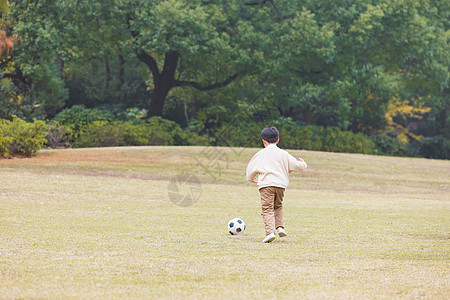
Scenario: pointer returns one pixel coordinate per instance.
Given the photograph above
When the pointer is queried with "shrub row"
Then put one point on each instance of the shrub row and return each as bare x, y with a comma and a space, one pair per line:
293, 136
155, 131
18, 137
330, 139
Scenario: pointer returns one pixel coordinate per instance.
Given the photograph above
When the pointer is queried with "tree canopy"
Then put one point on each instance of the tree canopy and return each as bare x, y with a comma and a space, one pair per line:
353, 64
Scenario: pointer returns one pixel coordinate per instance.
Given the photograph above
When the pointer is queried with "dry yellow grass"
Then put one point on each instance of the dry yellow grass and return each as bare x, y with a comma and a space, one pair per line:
98, 223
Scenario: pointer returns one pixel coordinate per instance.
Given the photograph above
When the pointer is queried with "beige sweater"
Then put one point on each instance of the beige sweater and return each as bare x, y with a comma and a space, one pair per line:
272, 166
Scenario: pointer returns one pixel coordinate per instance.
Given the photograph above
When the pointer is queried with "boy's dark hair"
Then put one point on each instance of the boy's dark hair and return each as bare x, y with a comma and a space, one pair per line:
270, 134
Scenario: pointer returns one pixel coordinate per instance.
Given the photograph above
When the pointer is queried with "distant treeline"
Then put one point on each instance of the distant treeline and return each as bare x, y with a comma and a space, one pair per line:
369, 76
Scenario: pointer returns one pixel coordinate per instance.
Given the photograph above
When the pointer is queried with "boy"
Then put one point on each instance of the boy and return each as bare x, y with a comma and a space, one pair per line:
269, 168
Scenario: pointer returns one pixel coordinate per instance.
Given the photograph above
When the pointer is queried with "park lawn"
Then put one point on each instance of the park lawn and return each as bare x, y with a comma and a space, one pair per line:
99, 223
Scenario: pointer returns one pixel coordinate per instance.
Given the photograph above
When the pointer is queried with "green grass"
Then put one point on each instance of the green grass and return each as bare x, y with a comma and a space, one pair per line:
98, 223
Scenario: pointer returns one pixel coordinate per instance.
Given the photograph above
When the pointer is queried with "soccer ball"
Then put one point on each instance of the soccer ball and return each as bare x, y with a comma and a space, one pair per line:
236, 226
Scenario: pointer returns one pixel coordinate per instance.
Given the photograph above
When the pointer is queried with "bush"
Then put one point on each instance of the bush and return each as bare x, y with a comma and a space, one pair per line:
78, 116
430, 147
389, 144
335, 140
5, 141
363, 144
107, 134
99, 134
165, 132
134, 134
58, 135
155, 131
294, 136
18, 137
317, 138
238, 135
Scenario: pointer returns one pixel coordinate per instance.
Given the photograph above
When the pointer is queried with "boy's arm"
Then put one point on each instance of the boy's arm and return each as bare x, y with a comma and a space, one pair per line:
251, 175
252, 171
296, 165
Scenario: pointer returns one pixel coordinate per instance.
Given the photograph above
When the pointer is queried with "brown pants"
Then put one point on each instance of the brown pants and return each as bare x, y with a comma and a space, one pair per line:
272, 207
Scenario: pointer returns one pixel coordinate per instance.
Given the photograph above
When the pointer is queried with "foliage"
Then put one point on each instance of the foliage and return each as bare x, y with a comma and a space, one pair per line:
330, 139
362, 66
344, 71
404, 110
18, 137
4, 6
58, 135
9, 100
78, 116
233, 135
430, 147
7, 43
389, 144
106, 77
165, 132
155, 131
14, 102
46, 32
99, 134
293, 136
135, 113
312, 137
193, 43
5, 141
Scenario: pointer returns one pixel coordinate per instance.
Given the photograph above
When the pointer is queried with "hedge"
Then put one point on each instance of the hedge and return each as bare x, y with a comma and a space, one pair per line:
155, 131
293, 136
21, 138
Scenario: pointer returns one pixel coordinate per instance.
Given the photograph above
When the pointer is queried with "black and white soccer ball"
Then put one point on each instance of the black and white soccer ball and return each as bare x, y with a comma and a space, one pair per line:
236, 226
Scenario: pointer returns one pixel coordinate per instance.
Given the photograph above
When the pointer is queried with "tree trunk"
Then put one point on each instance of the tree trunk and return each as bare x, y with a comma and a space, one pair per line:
442, 119
163, 82
121, 77
158, 99
107, 79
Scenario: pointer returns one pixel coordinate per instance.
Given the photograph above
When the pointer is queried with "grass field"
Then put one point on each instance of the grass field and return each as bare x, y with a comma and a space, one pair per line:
98, 223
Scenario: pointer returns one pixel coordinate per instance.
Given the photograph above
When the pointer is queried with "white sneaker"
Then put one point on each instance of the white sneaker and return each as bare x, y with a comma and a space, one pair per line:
270, 237
281, 232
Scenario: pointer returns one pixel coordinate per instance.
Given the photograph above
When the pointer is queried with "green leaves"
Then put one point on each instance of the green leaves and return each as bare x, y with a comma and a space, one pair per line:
327, 63
18, 137
4, 6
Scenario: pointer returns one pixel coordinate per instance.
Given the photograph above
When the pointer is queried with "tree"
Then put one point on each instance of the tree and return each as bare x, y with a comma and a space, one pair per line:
299, 63
340, 62
39, 61
195, 44
407, 42
337, 63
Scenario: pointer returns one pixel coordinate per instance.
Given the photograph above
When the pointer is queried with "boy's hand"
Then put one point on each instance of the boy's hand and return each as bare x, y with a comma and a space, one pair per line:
255, 180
